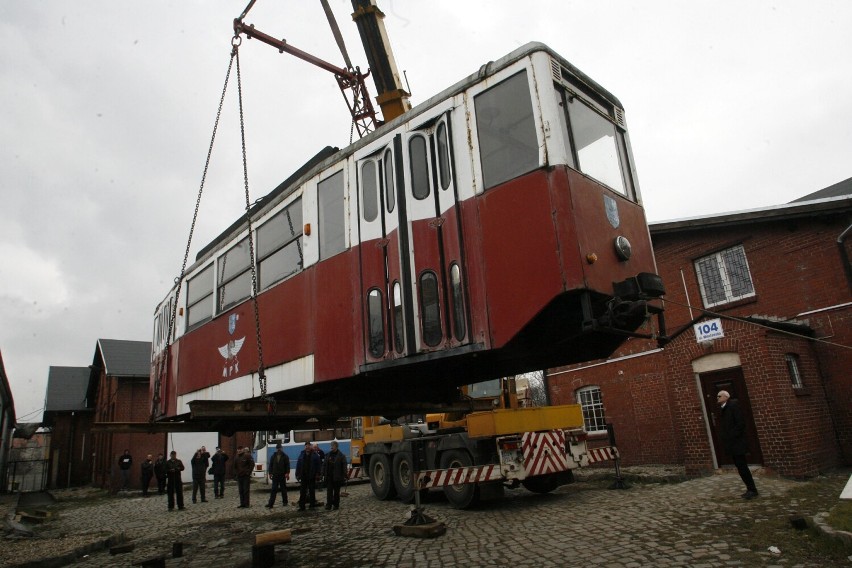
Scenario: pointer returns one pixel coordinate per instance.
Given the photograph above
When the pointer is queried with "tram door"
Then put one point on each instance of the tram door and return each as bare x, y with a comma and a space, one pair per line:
436, 279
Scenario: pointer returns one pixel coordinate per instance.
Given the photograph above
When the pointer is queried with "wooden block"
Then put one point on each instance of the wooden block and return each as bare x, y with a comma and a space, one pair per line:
430, 530
155, 562
122, 548
274, 537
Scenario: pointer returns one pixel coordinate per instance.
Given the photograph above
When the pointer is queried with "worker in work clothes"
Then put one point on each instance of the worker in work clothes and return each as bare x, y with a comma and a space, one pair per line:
199, 475
147, 474
279, 473
335, 476
174, 486
307, 468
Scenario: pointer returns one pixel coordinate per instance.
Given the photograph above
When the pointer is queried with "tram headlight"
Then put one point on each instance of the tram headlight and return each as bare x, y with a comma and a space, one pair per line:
623, 248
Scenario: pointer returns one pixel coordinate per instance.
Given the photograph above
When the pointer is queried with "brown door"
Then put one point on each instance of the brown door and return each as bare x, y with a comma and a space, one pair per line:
730, 380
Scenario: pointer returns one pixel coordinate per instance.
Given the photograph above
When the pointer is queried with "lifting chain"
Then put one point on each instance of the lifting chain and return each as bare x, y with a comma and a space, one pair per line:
261, 371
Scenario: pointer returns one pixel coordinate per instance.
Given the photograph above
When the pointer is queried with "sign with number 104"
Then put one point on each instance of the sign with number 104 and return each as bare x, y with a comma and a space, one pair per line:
709, 330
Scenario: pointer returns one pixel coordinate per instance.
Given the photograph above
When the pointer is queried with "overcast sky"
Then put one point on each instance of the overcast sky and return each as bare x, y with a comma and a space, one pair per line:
108, 107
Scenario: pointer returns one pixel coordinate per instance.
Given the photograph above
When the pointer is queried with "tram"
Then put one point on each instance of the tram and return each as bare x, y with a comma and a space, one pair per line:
493, 229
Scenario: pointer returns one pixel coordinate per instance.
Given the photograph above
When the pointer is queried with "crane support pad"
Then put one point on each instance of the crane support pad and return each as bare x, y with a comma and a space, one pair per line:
459, 476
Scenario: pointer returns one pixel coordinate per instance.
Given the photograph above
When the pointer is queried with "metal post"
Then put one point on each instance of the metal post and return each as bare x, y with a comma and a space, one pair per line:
619, 481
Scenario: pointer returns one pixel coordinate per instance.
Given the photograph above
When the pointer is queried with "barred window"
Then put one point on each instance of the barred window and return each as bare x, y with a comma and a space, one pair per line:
793, 369
589, 398
724, 277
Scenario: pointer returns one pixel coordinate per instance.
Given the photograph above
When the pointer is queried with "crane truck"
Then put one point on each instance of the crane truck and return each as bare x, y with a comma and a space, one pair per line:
474, 456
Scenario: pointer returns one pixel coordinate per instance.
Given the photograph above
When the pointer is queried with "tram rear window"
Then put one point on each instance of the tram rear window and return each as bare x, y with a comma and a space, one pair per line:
596, 145
508, 146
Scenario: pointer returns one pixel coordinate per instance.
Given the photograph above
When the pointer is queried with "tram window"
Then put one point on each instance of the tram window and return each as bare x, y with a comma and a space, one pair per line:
508, 145
199, 292
397, 317
389, 187
458, 302
369, 191
234, 276
419, 167
375, 321
279, 245
443, 156
430, 309
332, 216
595, 145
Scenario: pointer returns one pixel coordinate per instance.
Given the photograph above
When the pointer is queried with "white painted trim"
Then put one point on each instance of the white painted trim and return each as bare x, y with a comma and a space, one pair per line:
294, 374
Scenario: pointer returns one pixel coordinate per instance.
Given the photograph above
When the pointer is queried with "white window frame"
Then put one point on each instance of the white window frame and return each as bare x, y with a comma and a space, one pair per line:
793, 369
724, 276
590, 400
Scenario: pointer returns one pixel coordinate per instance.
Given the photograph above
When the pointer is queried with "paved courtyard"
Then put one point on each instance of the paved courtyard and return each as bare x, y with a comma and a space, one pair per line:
700, 522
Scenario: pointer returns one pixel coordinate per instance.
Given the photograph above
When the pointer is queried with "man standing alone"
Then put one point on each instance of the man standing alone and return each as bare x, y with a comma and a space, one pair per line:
174, 487
124, 463
335, 475
734, 439
244, 466
279, 472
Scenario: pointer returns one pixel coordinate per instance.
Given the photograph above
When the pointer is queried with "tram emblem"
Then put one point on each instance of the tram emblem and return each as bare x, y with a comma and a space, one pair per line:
611, 211
230, 350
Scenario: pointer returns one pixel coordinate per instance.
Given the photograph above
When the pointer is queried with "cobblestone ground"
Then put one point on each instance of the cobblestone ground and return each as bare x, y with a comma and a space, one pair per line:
700, 522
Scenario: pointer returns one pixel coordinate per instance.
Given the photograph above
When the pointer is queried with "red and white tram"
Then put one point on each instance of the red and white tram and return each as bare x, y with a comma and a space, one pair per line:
494, 229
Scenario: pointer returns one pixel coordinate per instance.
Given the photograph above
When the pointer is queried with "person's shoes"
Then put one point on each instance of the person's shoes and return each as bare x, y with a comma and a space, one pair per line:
335, 507
241, 506
171, 509
268, 506
204, 500
301, 509
328, 507
749, 494
181, 508
194, 501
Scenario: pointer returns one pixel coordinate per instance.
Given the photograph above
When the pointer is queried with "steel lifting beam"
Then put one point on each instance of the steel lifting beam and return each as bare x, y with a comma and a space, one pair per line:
361, 108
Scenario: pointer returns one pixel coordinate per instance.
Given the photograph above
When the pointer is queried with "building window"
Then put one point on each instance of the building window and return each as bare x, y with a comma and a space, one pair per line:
724, 277
793, 369
589, 398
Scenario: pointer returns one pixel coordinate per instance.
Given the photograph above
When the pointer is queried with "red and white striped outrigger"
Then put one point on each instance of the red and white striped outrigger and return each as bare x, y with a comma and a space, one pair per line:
529, 455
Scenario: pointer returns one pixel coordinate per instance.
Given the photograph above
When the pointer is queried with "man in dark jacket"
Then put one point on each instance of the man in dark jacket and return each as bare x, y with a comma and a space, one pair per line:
147, 474
160, 473
175, 485
124, 463
199, 475
335, 476
218, 460
244, 466
279, 473
733, 437
307, 468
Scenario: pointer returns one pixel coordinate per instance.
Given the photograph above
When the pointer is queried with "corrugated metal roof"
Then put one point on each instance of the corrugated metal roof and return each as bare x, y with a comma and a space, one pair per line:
66, 389
123, 358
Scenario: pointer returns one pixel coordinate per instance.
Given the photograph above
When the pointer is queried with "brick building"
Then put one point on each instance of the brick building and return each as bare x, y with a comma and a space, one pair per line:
68, 413
119, 374
773, 285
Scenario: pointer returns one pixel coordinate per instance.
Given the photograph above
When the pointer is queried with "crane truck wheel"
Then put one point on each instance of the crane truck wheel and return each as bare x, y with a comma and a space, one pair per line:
404, 478
464, 495
381, 478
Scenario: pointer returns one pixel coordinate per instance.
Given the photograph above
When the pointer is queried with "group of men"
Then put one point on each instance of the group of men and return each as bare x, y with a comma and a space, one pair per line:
310, 467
